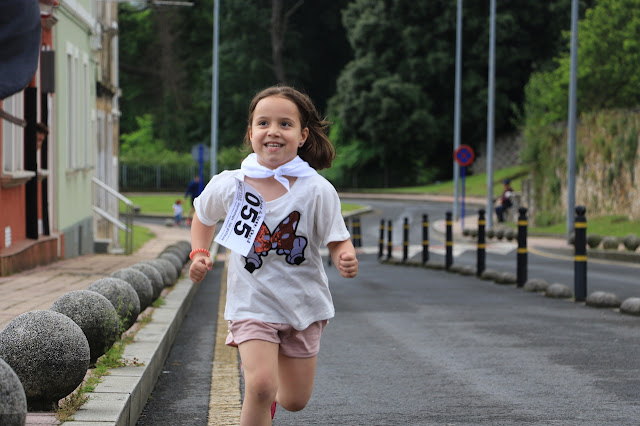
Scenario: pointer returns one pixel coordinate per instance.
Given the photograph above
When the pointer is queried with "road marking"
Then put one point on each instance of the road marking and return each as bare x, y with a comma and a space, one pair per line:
224, 399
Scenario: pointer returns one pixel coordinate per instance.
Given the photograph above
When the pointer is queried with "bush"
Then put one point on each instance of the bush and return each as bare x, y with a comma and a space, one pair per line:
610, 243
631, 242
593, 240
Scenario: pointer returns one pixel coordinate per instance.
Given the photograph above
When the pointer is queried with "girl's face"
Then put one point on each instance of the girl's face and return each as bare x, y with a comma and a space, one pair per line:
276, 132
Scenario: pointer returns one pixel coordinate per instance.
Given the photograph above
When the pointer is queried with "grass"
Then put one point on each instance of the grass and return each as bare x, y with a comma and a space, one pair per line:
605, 226
111, 359
141, 235
475, 186
160, 204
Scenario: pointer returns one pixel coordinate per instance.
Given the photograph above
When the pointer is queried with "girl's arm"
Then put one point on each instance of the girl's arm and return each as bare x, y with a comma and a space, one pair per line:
201, 237
343, 255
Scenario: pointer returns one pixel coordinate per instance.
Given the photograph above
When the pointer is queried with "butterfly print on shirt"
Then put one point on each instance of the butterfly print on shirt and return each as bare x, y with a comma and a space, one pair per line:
283, 239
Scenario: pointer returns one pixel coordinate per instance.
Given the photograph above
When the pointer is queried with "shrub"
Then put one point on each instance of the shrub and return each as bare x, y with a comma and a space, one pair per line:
610, 243
631, 242
593, 240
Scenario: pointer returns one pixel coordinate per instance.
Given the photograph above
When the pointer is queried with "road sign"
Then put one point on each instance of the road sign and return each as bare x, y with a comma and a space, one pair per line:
464, 155
195, 152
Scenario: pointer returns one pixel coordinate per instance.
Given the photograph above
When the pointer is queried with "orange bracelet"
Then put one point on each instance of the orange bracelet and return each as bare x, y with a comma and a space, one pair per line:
199, 250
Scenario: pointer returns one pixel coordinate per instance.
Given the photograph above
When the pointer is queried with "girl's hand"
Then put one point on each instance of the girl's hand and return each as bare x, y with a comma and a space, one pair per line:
348, 264
199, 267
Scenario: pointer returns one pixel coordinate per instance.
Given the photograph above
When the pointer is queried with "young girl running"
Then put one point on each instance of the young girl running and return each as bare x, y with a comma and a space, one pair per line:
278, 299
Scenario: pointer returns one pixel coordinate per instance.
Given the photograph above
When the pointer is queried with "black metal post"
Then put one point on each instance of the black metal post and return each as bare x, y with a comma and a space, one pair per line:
449, 256
381, 241
355, 222
389, 238
522, 247
425, 238
405, 240
580, 258
482, 246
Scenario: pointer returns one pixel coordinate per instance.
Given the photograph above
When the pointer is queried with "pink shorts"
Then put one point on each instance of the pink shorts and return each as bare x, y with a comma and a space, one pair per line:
293, 343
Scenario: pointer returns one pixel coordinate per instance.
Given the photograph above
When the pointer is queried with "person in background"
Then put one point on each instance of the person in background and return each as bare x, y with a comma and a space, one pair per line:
177, 212
278, 299
193, 190
504, 202
41, 134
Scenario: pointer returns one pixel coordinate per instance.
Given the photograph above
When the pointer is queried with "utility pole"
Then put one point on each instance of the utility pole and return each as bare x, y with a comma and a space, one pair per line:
213, 156
571, 152
490, 110
456, 119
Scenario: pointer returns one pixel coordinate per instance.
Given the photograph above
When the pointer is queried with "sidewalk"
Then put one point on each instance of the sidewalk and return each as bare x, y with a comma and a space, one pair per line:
38, 288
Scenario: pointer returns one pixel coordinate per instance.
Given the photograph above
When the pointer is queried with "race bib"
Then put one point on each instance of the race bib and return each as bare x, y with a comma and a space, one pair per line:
245, 216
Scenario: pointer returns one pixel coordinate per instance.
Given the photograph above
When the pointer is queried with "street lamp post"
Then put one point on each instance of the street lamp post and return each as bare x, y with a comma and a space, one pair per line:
214, 90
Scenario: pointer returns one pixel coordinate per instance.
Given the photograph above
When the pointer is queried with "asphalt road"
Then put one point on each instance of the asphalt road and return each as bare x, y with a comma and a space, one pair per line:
181, 394
413, 346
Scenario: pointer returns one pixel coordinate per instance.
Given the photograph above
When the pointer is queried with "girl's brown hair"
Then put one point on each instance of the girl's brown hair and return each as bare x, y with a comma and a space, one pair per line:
318, 150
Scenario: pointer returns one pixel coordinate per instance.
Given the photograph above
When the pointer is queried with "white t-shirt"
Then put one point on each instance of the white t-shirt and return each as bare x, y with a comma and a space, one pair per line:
282, 280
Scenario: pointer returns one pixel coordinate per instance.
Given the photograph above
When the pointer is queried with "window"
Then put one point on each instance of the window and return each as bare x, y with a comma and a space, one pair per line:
13, 134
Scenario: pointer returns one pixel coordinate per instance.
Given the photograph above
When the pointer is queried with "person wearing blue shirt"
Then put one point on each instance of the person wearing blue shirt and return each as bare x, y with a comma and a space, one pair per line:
193, 190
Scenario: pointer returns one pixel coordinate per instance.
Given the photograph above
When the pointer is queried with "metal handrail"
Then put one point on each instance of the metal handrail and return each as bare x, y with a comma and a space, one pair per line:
112, 191
127, 227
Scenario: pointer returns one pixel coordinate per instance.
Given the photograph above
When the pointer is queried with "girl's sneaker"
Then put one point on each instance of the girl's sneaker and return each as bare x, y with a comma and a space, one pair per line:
273, 410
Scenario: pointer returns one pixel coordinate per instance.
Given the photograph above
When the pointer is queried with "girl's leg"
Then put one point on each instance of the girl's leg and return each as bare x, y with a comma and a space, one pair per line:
296, 381
260, 364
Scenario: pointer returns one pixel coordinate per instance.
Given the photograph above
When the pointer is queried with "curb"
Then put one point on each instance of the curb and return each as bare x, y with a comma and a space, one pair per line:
121, 395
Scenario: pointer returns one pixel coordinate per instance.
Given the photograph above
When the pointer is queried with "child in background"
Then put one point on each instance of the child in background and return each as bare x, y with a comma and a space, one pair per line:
177, 212
278, 299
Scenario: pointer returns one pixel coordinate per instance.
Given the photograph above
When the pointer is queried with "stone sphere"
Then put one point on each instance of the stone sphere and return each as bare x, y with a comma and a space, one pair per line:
175, 261
169, 268
154, 276
184, 245
166, 278
178, 251
140, 283
122, 296
49, 353
95, 315
13, 401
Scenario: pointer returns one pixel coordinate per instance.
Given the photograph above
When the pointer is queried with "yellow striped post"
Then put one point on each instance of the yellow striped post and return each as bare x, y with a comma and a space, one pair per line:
522, 247
381, 241
580, 258
405, 240
425, 238
389, 239
482, 246
449, 245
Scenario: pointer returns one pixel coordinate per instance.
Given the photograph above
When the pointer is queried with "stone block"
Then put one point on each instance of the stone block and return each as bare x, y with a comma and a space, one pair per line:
603, 299
49, 353
154, 276
13, 401
535, 285
175, 261
558, 291
95, 315
122, 296
140, 283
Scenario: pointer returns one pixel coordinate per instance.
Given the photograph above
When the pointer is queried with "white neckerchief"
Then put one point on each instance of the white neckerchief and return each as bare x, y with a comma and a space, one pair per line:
296, 168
